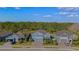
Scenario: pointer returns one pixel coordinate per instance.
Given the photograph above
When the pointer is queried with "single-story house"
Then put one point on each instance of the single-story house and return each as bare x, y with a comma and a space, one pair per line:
4, 35
64, 37
12, 37
39, 35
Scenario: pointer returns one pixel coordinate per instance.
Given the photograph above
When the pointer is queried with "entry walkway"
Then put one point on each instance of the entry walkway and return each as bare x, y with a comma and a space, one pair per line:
37, 44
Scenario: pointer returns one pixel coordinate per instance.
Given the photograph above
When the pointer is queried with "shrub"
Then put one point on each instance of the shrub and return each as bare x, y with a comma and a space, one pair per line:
75, 42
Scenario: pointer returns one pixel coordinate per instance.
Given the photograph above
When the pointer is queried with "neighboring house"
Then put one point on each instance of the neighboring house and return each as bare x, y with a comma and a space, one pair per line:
64, 37
39, 35
11, 37
4, 35
14, 37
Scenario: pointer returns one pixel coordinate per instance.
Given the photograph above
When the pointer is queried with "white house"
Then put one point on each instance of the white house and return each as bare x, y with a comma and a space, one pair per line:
14, 37
39, 35
64, 37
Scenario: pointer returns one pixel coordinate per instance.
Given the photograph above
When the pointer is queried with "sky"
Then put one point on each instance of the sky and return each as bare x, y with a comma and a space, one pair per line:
39, 14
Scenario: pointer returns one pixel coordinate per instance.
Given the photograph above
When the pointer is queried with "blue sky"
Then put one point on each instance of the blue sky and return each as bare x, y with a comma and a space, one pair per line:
39, 14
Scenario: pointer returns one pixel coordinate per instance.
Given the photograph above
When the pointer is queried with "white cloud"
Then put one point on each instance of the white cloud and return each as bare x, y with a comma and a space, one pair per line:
73, 15
17, 8
46, 16
77, 15
63, 13
68, 14
36, 14
3, 7
68, 8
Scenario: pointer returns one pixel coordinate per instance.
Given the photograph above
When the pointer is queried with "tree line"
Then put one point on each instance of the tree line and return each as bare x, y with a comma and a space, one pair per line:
49, 26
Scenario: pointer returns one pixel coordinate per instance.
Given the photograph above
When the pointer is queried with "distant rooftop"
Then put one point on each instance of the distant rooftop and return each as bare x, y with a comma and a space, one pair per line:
63, 33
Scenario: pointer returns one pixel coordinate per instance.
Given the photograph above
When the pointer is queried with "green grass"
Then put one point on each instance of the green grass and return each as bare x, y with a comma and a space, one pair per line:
49, 44
75, 47
75, 43
22, 45
1, 43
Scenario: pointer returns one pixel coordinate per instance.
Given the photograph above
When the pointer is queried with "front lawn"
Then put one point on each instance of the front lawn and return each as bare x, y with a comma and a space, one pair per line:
49, 43
75, 43
1, 43
22, 45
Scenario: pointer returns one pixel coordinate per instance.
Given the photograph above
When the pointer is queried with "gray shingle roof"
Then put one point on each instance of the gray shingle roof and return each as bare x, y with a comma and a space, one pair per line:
63, 33
6, 34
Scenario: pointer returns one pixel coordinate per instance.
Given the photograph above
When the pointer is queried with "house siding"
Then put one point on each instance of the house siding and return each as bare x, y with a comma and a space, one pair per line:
40, 36
14, 37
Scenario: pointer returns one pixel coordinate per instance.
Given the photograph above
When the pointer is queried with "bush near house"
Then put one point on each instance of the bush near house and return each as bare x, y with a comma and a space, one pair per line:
2, 41
75, 42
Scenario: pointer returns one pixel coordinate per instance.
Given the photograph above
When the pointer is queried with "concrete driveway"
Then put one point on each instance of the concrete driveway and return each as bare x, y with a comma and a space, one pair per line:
37, 44
7, 45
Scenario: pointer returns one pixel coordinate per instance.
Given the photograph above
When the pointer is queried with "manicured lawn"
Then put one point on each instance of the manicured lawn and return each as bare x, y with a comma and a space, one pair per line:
49, 44
75, 47
22, 45
1, 43
75, 43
